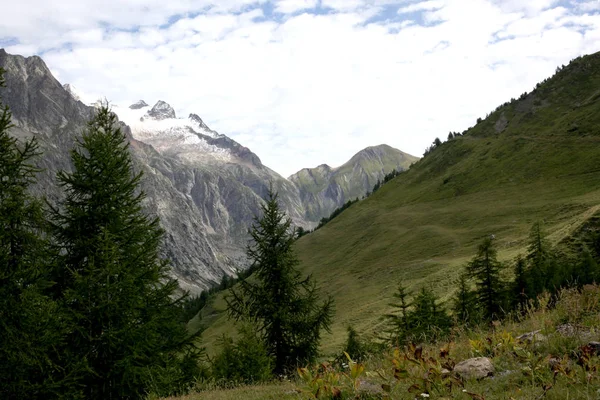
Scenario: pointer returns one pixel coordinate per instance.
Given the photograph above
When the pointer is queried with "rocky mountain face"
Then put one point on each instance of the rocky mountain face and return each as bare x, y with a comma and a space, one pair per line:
205, 187
323, 189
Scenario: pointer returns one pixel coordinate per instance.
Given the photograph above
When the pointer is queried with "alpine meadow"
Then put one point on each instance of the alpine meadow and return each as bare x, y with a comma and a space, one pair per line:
147, 256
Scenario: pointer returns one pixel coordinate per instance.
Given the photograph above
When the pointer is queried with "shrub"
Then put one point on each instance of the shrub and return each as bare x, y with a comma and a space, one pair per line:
244, 361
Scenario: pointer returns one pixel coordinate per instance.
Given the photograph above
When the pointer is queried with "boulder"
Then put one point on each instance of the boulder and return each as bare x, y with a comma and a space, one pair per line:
478, 368
529, 337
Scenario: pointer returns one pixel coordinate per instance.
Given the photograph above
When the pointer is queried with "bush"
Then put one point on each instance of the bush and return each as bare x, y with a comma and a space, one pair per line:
244, 361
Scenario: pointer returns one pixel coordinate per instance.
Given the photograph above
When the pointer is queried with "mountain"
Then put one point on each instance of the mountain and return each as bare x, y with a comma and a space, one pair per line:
205, 187
323, 188
532, 159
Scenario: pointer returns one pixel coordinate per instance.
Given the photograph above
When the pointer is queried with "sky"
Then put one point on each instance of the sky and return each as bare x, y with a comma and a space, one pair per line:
307, 82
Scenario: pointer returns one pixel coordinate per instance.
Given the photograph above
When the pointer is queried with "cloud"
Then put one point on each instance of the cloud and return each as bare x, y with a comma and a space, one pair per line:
292, 6
319, 84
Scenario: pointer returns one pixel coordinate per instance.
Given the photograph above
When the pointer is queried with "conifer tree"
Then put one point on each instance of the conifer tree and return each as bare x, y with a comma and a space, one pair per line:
464, 302
284, 306
540, 275
118, 293
31, 325
399, 320
428, 319
520, 286
485, 270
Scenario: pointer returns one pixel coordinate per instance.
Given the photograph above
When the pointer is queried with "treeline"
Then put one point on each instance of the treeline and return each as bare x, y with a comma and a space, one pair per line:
483, 295
87, 308
388, 177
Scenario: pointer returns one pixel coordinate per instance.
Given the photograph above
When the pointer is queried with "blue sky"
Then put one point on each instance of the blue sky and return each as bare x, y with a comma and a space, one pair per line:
306, 82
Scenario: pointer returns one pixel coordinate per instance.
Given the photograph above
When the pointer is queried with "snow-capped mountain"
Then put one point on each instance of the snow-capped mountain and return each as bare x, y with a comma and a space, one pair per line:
187, 138
205, 187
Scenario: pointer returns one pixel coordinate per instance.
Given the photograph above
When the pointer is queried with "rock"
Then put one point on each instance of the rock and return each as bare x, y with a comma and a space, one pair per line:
478, 368
139, 104
161, 110
570, 330
529, 337
595, 347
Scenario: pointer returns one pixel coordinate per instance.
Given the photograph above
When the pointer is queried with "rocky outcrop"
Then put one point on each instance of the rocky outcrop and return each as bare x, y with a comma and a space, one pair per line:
475, 368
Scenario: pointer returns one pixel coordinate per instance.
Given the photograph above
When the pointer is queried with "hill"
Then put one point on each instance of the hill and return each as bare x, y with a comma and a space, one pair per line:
532, 159
323, 188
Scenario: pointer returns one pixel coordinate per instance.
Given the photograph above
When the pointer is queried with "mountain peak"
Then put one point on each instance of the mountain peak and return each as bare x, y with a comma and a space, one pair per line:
72, 91
161, 110
195, 118
138, 104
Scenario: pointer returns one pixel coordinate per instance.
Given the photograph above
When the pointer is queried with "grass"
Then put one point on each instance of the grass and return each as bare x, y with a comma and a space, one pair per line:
421, 227
552, 366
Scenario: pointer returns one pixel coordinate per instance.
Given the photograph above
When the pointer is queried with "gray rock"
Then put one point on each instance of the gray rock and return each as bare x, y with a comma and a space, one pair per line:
161, 110
138, 104
531, 337
479, 367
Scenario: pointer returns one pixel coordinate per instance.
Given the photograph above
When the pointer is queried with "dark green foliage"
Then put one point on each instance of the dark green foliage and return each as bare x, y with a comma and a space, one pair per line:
539, 261
335, 213
399, 321
127, 332
485, 270
465, 303
31, 324
586, 269
423, 319
429, 320
356, 349
520, 285
245, 361
284, 306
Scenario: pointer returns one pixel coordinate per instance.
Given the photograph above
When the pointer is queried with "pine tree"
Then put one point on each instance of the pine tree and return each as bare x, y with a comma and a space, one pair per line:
429, 321
284, 306
399, 320
31, 324
485, 270
128, 334
541, 276
520, 286
464, 302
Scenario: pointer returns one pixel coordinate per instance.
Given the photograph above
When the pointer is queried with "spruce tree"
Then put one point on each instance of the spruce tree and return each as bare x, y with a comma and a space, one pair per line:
485, 270
284, 307
520, 286
399, 320
541, 277
31, 325
117, 290
464, 302
429, 320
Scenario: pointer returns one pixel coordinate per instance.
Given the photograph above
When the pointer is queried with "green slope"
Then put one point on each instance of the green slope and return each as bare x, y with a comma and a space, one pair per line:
537, 158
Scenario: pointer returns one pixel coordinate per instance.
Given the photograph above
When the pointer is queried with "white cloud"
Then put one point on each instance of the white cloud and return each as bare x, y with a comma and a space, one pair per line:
309, 89
421, 6
292, 6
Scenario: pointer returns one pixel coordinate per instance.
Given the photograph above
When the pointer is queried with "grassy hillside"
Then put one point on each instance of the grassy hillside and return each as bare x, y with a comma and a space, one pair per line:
536, 158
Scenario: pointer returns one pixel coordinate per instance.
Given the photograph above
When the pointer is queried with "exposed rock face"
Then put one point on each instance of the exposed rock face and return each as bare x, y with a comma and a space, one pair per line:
477, 368
160, 111
323, 189
138, 104
205, 187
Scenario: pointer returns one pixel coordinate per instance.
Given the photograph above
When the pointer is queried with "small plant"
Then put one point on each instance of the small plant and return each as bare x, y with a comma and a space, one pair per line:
425, 374
321, 383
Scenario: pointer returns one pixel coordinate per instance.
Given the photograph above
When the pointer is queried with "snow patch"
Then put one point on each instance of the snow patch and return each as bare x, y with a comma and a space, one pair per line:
173, 136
